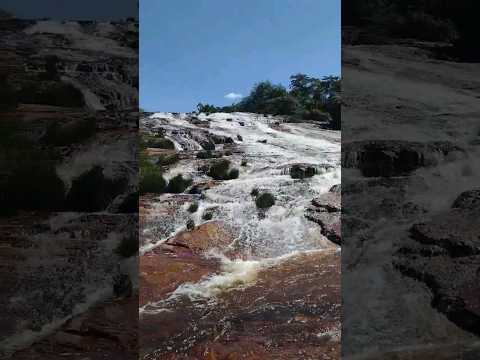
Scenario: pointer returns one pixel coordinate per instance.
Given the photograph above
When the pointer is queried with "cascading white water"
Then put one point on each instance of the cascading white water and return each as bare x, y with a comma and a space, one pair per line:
269, 149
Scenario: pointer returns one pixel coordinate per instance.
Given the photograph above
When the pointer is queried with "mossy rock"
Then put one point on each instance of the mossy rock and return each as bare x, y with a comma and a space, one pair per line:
265, 201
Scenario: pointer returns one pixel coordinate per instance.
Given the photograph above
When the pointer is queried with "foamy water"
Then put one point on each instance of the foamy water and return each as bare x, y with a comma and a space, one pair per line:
284, 230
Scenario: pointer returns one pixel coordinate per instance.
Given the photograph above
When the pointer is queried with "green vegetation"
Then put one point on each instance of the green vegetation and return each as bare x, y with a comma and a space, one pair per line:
233, 174
432, 20
152, 182
193, 208
157, 142
254, 192
220, 170
151, 177
178, 184
307, 98
167, 159
265, 201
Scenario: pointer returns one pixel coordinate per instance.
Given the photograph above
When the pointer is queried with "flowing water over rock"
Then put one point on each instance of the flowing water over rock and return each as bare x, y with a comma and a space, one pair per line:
236, 249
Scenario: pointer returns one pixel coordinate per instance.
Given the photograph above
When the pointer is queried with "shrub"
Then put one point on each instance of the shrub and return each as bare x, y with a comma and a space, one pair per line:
219, 170
233, 174
128, 246
152, 182
157, 142
228, 153
265, 201
285, 105
168, 159
178, 184
193, 208
244, 163
317, 115
254, 192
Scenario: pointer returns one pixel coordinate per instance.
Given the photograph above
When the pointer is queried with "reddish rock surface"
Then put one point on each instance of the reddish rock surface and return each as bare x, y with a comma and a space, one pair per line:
107, 331
292, 311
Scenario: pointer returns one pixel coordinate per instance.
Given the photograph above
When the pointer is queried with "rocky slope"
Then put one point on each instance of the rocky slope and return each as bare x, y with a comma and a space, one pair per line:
231, 274
68, 183
410, 123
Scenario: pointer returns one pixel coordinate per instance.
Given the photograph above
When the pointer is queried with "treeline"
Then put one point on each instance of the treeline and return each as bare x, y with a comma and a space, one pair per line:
307, 98
432, 20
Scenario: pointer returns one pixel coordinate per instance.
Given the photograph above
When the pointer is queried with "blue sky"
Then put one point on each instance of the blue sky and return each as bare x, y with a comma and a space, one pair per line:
201, 50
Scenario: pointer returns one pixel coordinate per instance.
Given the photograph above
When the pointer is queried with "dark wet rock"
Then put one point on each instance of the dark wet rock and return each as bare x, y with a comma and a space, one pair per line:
263, 141
239, 138
302, 171
207, 145
190, 225
201, 187
241, 123
336, 188
207, 215
444, 254
219, 139
382, 158
468, 200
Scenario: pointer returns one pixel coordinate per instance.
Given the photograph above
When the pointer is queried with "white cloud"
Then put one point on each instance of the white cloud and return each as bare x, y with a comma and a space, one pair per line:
233, 96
